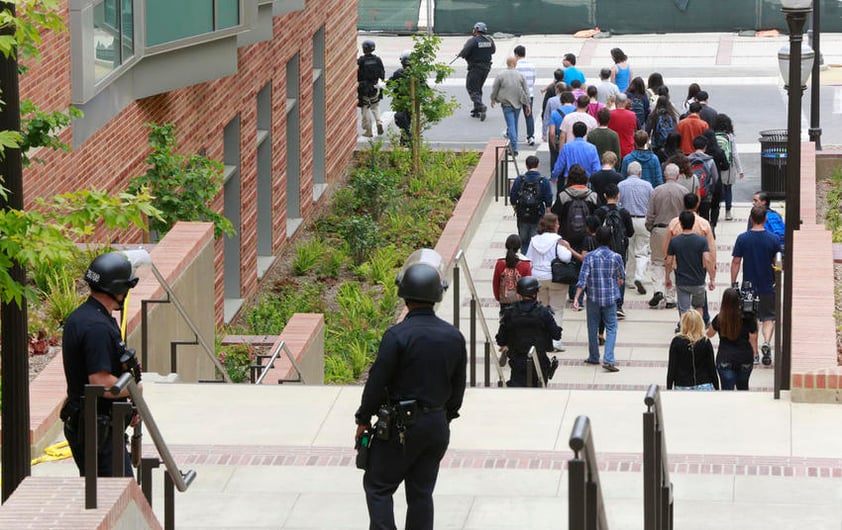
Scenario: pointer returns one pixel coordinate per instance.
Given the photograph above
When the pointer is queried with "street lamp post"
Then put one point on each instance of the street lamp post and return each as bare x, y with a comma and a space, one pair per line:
815, 87
796, 12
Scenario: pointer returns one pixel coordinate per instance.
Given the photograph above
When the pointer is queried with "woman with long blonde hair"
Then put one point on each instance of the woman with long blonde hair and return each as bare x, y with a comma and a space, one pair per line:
691, 365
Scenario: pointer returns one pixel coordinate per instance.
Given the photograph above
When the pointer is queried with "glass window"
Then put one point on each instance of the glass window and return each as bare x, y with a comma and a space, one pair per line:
168, 21
227, 13
113, 36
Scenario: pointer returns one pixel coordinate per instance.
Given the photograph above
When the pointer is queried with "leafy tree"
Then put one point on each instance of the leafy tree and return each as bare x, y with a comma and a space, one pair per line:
183, 186
411, 93
46, 236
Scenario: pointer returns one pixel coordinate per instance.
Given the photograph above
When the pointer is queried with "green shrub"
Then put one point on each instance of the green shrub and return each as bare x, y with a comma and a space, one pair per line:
374, 189
273, 310
237, 358
833, 216
308, 254
362, 236
61, 296
381, 265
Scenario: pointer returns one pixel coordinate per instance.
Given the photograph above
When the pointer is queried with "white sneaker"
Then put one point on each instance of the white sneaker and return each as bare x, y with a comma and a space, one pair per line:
558, 346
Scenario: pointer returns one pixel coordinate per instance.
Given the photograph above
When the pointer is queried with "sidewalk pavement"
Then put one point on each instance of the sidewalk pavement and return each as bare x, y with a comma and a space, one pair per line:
282, 457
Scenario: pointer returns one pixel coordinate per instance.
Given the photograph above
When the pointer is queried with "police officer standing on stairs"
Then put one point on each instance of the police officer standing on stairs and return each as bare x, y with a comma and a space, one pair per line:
477, 53
370, 72
524, 324
415, 386
94, 353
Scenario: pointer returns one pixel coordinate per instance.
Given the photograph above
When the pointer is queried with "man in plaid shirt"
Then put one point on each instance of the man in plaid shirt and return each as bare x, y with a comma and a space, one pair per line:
602, 273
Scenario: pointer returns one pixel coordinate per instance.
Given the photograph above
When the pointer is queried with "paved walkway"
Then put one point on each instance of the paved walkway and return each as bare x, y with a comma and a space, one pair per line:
281, 456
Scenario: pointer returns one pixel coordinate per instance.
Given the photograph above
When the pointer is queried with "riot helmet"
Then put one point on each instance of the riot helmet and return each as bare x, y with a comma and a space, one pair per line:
481, 27
405, 58
368, 46
422, 277
528, 286
111, 273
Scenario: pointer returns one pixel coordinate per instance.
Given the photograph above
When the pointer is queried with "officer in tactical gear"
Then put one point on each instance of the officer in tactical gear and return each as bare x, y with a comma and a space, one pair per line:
369, 73
403, 109
477, 53
94, 353
415, 387
524, 324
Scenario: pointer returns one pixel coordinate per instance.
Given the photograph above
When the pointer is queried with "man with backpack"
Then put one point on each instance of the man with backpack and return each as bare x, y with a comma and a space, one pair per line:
704, 168
620, 228
523, 325
649, 163
530, 196
554, 123
573, 205
690, 127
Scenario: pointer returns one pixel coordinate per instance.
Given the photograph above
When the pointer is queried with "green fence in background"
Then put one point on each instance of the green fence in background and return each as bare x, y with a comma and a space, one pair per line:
569, 16
388, 15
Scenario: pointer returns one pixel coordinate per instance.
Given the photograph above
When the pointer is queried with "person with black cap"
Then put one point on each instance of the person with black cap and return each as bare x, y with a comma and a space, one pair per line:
525, 324
415, 387
477, 53
93, 351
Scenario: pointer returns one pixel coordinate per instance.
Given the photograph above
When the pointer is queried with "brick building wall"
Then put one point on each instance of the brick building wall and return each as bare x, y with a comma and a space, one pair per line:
116, 152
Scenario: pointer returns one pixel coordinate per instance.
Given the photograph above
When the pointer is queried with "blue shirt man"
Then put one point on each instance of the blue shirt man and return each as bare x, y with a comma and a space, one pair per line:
579, 151
602, 274
572, 73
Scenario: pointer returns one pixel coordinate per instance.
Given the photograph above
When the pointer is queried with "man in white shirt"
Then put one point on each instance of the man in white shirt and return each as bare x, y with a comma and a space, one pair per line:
578, 115
527, 69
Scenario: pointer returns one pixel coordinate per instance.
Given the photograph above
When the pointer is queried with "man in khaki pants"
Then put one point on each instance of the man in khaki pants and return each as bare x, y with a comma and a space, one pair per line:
666, 202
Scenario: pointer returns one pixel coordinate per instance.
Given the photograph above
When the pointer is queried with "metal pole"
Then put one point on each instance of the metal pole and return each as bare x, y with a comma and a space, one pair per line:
778, 356
118, 443
89, 412
576, 516
650, 508
14, 347
473, 336
815, 85
429, 17
146, 466
456, 296
487, 359
795, 19
169, 502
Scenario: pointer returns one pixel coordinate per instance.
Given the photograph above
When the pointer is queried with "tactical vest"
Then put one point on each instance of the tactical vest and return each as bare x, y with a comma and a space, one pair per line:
527, 329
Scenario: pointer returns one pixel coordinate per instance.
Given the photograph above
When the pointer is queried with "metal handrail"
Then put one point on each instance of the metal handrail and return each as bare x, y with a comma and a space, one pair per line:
181, 480
586, 506
275, 354
173, 299
501, 171
657, 487
460, 259
533, 359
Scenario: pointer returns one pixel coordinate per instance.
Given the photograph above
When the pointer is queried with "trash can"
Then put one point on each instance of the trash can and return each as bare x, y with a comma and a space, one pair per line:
773, 162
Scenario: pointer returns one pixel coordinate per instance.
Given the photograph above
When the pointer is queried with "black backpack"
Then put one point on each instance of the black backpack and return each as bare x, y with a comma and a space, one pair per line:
614, 222
574, 223
529, 204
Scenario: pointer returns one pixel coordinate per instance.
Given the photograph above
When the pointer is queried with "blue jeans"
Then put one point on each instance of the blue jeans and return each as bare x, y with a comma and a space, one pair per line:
530, 122
608, 314
732, 374
727, 195
526, 230
511, 115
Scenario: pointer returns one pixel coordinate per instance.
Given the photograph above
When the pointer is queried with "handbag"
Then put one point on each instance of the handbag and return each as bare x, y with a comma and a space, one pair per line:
564, 272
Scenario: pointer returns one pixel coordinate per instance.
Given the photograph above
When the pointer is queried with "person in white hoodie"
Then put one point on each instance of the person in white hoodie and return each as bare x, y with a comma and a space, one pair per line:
543, 249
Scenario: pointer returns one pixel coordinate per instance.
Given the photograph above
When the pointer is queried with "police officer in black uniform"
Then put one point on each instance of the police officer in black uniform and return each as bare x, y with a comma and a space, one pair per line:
92, 349
524, 324
402, 107
369, 72
418, 378
477, 53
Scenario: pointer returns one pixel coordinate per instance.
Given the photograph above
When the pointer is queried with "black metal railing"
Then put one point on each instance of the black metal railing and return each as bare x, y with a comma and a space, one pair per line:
657, 488
586, 509
502, 181
460, 267
782, 361
173, 477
